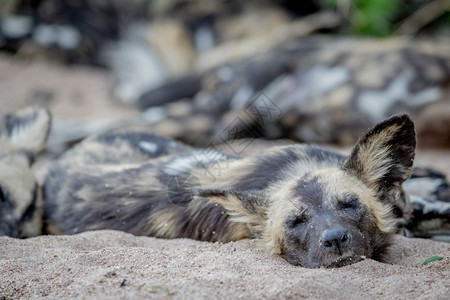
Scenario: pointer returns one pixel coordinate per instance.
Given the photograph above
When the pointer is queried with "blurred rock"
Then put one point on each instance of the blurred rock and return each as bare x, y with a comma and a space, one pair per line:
434, 123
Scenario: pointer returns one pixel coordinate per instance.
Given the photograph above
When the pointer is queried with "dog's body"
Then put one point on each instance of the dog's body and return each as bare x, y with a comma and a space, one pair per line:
312, 206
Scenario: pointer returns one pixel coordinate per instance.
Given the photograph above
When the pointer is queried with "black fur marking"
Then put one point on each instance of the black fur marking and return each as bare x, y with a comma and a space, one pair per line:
31, 209
31, 156
14, 123
180, 188
382, 247
267, 170
441, 192
310, 191
321, 155
113, 214
3, 196
9, 226
350, 202
420, 215
209, 223
182, 88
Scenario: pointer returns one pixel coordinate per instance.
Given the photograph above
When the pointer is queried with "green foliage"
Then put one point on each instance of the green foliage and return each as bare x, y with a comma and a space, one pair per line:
445, 19
156, 288
369, 17
431, 259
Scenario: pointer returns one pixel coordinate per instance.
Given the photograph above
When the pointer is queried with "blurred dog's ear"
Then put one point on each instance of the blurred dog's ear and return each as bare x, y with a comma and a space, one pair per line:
27, 129
383, 158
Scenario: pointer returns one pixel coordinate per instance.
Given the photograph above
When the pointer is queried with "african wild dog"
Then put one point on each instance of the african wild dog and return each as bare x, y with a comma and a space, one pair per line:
312, 206
22, 135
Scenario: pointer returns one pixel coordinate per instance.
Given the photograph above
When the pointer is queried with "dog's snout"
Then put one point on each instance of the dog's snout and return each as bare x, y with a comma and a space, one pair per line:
335, 240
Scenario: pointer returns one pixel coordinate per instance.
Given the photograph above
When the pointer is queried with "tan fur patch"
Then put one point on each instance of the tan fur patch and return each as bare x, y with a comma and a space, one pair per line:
162, 223
335, 180
17, 178
280, 207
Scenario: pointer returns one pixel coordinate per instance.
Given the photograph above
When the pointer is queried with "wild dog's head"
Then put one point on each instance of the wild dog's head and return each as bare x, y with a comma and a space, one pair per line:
332, 213
22, 135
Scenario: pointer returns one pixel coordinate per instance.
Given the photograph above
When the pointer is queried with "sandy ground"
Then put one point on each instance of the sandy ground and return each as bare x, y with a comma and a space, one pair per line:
118, 265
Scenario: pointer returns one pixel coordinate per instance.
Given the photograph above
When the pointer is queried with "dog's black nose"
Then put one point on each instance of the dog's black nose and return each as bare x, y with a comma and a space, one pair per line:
335, 240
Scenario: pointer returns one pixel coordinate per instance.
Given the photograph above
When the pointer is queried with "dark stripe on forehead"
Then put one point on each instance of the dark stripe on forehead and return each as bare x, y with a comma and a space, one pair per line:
324, 155
30, 210
268, 169
310, 191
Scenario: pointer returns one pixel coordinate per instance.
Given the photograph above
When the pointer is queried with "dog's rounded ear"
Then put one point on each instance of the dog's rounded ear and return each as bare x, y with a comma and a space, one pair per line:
383, 157
28, 129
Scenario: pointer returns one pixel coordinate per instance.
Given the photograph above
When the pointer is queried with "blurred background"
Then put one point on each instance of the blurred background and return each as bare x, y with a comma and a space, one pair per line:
210, 72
